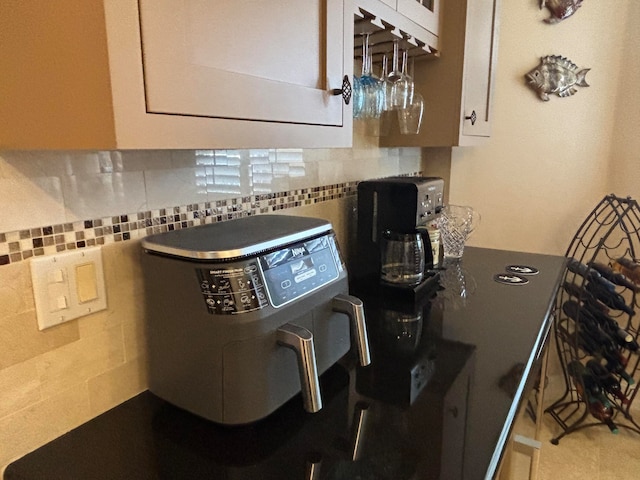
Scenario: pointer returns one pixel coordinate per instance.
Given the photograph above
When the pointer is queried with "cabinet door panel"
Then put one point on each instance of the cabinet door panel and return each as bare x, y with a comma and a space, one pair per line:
479, 73
211, 59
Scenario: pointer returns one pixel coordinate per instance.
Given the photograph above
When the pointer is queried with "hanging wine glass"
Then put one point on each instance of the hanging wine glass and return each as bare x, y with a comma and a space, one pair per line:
358, 96
408, 94
386, 84
401, 86
371, 84
410, 116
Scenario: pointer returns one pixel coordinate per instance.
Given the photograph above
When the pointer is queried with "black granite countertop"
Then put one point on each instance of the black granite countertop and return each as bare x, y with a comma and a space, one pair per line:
433, 404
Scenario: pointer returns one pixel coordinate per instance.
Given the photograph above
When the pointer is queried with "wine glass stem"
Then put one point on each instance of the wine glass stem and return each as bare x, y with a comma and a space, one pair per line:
394, 60
366, 66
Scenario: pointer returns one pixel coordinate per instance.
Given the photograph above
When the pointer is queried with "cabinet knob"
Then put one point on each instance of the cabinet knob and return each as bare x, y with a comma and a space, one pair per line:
473, 117
345, 91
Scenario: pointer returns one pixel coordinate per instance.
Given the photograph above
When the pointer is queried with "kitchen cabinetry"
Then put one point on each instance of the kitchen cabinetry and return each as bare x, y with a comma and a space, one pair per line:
458, 86
124, 74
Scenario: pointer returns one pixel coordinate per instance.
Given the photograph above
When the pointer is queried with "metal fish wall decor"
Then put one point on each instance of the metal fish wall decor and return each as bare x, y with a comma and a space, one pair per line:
560, 9
556, 75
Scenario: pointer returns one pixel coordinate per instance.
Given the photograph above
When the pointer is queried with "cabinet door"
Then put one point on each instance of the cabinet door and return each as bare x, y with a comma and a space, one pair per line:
454, 421
479, 67
244, 59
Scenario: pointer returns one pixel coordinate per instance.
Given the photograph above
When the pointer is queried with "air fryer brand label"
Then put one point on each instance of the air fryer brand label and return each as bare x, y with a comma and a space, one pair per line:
300, 269
232, 290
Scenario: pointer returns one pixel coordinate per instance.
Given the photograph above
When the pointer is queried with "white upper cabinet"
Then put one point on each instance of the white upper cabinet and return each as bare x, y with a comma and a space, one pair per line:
127, 74
458, 86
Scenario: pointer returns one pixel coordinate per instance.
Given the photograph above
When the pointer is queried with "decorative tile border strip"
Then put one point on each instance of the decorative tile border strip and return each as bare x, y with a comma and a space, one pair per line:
21, 245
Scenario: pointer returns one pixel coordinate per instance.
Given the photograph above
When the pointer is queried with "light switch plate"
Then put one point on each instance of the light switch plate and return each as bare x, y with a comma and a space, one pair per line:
68, 285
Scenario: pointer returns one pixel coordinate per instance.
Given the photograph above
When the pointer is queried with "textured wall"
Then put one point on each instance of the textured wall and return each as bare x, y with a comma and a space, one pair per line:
549, 163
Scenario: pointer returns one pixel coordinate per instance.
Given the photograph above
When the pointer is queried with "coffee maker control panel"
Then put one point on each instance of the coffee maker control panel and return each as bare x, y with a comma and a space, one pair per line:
431, 201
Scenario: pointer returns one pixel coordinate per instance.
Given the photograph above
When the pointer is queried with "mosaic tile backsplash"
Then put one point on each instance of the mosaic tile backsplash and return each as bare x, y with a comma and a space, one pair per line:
58, 201
21, 245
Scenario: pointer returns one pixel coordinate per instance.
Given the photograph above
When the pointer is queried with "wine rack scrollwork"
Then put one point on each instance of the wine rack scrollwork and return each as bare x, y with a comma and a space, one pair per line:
596, 326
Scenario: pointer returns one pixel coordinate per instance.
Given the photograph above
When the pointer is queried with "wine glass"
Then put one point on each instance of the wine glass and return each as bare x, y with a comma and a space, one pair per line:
409, 83
401, 84
371, 84
387, 84
387, 110
410, 116
358, 97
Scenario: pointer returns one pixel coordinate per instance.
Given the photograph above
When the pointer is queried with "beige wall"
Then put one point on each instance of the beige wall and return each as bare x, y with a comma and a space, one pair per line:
625, 153
549, 163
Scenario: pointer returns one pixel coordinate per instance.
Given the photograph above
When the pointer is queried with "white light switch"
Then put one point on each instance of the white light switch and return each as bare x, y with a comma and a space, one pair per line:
56, 276
61, 302
68, 285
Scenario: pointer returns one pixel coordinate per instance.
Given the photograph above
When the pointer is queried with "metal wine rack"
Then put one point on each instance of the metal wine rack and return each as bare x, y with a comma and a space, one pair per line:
611, 231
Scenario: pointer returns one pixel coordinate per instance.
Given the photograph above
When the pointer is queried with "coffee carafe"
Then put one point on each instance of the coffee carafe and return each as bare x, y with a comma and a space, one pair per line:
393, 246
402, 258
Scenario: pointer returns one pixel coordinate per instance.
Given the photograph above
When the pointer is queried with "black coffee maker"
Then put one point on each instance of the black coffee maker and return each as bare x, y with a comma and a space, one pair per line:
394, 207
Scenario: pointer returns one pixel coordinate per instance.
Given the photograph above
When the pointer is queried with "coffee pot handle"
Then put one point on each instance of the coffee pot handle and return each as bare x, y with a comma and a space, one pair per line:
354, 308
300, 340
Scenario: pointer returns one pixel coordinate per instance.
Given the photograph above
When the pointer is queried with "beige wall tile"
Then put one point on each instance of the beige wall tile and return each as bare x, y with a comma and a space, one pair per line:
20, 387
103, 194
115, 386
28, 429
80, 361
31, 201
135, 340
21, 340
16, 294
122, 264
174, 186
97, 323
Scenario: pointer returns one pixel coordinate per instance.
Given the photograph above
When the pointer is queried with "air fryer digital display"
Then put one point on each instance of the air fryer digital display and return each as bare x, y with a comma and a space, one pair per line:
294, 271
278, 277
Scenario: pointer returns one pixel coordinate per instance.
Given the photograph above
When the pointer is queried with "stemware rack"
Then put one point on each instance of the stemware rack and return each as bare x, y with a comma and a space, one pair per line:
611, 231
384, 26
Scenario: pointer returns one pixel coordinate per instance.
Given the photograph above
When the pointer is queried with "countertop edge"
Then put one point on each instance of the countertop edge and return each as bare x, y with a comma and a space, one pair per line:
518, 399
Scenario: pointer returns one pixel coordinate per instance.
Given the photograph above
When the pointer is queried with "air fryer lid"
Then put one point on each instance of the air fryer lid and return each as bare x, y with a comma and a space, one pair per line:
235, 238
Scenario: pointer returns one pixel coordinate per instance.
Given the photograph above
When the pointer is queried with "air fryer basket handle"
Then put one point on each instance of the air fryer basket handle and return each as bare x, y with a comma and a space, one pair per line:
354, 308
300, 340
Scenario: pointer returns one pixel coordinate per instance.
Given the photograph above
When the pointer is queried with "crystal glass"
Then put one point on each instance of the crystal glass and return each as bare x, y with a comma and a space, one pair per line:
410, 117
456, 223
372, 86
401, 83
